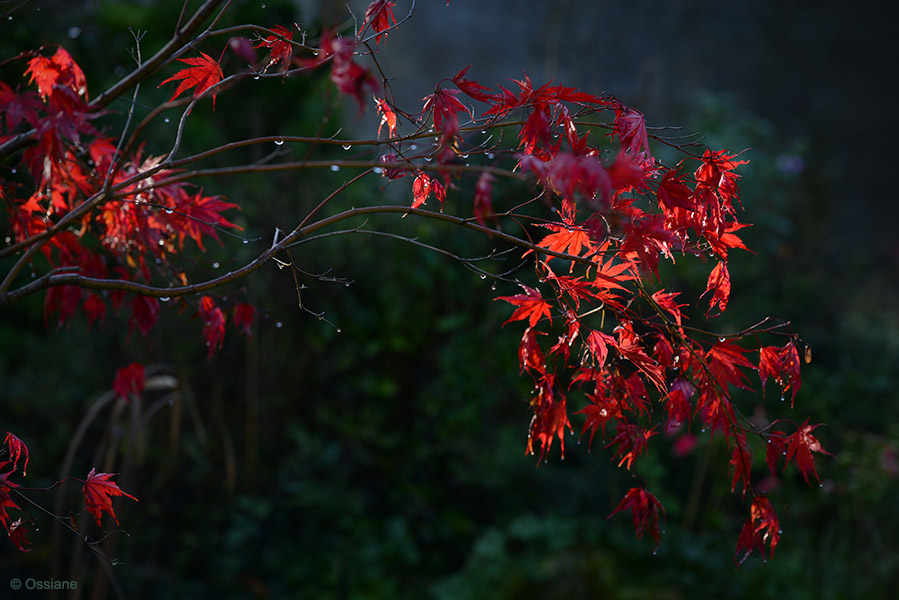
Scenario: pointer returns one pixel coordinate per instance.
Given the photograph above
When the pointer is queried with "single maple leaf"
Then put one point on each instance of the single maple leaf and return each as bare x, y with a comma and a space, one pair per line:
388, 117
644, 509
380, 14
5, 500
483, 205
530, 355
566, 239
741, 462
422, 188
631, 440
674, 193
762, 518
280, 46
16, 449
244, 315
719, 281
800, 446
473, 88
213, 324
98, 491
129, 381
531, 306
17, 533
630, 127
144, 314
203, 73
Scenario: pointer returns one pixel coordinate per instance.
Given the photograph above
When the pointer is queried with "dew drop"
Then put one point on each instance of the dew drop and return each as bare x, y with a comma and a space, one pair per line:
246, 241
162, 242
279, 324
722, 340
347, 284
484, 131
164, 299
13, 171
413, 147
279, 142
377, 170
347, 146
339, 330
256, 77
483, 276
493, 287
335, 168
464, 155
10, 17
169, 211
490, 155
166, 120
215, 265
782, 398
428, 158
263, 5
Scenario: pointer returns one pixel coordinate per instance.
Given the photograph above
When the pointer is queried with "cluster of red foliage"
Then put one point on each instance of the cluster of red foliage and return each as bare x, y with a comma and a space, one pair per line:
110, 220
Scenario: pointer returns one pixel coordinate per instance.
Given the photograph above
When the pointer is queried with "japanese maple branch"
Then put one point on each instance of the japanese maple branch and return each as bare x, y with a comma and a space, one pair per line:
67, 278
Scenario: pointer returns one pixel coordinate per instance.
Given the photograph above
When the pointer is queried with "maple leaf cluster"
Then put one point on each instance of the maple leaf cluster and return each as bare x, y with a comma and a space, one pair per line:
97, 489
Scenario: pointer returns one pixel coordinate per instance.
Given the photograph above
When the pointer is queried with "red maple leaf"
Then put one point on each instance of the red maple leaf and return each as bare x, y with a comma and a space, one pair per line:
531, 306
719, 281
280, 46
18, 107
98, 491
129, 381
144, 313
800, 446
473, 88
388, 117
566, 239
16, 449
59, 70
244, 315
631, 440
445, 108
201, 215
762, 519
203, 73
483, 205
5, 500
17, 534
379, 13
644, 509
630, 127
740, 462
213, 323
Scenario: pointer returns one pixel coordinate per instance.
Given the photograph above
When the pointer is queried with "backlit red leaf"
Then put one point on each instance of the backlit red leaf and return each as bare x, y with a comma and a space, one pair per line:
762, 527
98, 491
531, 306
203, 73
644, 509
129, 381
380, 14
800, 446
16, 449
281, 48
719, 284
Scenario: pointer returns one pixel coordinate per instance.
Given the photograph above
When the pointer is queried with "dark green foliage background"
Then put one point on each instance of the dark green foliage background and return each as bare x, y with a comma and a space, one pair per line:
387, 459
